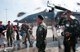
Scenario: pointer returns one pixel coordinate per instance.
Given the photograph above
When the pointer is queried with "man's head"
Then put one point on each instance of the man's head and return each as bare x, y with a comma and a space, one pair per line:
0, 22
8, 22
39, 19
67, 14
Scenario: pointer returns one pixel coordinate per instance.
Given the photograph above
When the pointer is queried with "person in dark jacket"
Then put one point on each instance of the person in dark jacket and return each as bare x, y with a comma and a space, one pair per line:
70, 27
41, 34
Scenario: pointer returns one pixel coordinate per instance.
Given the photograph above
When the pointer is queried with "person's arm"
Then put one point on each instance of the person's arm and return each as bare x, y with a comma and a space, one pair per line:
44, 32
61, 21
33, 37
77, 25
5, 29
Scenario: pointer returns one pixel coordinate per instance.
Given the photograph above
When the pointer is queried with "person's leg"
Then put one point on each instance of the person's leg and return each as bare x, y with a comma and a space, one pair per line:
28, 36
29, 41
0, 42
41, 50
73, 47
7, 39
38, 46
0, 46
4, 48
25, 40
4, 45
43, 47
67, 47
10, 40
4, 41
17, 36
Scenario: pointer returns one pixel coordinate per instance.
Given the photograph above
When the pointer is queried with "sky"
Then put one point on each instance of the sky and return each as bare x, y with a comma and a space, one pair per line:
15, 6
10, 8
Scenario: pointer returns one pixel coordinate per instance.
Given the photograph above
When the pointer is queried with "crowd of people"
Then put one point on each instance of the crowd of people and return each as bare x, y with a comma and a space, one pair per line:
70, 33
9, 34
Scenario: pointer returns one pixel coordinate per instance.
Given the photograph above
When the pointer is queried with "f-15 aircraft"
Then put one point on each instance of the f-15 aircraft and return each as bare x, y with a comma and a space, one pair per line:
49, 16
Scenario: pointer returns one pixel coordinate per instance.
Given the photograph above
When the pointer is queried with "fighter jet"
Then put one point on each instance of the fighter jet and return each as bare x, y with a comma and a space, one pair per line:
49, 16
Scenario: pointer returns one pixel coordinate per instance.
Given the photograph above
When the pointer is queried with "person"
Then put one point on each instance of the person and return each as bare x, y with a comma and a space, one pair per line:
62, 18
9, 33
14, 30
25, 33
41, 33
16, 38
54, 30
2, 35
32, 38
17, 31
70, 27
